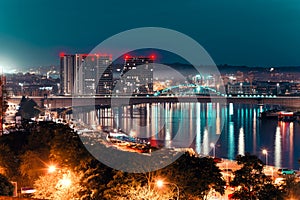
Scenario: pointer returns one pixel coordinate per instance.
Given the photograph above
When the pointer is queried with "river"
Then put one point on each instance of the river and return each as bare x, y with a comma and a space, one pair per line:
225, 130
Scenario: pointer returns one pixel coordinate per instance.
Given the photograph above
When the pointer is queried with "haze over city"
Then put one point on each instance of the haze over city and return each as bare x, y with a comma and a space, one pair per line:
252, 33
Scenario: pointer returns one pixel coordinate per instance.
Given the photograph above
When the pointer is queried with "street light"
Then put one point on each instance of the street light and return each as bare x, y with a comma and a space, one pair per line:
265, 152
212, 145
161, 183
51, 168
65, 182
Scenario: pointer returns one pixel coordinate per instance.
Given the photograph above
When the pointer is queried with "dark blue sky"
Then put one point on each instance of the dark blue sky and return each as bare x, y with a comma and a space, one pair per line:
240, 32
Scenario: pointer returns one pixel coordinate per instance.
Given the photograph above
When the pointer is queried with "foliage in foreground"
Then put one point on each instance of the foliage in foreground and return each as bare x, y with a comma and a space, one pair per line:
61, 185
28, 153
291, 187
6, 187
135, 186
251, 181
195, 178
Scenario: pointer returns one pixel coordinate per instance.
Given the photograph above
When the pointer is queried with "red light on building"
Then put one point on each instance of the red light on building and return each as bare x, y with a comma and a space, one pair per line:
152, 57
61, 54
126, 57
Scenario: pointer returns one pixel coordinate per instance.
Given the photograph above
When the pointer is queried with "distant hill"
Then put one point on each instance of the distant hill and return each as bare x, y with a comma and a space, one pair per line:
231, 69
187, 68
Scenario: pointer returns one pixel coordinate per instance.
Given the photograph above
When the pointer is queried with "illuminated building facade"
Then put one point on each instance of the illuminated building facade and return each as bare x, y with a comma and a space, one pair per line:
105, 83
86, 74
137, 75
67, 73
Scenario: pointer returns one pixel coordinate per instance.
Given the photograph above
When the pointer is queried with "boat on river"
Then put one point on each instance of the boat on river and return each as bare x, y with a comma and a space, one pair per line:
128, 143
286, 116
270, 114
280, 115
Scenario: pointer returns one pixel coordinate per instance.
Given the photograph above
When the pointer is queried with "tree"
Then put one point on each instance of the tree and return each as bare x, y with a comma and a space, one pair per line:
27, 110
291, 187
11, 148
270, 192
61, 185
40, 136
6, 187
66, 148
196, 176
119, 185
149, 193
32, 164
7, 161
135, 186
95, 178
252, 182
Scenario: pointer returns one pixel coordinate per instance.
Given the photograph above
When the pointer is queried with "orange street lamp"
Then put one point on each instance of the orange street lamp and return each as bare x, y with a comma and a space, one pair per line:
161, 183
51, 168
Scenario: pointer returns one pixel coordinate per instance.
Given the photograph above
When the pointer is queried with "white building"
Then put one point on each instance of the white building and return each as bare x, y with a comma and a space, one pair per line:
84, 74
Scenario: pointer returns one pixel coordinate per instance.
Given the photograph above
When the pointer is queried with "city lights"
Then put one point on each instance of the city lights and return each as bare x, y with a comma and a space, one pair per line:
160, 184
65, 182
141, 100
51, 168
265, 152
212, 145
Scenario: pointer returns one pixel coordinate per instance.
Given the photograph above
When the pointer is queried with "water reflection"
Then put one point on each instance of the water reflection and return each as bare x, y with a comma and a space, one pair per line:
254, 131
231, 144
234, 128
277, 147
198, 128
218, 122
241, 143
291, 132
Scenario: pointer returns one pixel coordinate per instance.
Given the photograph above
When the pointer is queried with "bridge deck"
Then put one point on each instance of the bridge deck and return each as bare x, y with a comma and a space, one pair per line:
67, 101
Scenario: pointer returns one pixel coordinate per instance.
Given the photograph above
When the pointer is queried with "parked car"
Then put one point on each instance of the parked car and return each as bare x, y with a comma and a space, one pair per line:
286, 171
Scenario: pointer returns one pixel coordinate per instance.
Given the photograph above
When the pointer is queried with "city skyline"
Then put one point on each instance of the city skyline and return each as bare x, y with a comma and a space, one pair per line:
152, 100
251, 33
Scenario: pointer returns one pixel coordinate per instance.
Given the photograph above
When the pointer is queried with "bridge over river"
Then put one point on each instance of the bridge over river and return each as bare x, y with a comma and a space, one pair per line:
68, 101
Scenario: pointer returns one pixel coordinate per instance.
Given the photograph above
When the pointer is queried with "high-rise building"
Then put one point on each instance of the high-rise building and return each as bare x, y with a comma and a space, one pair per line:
86, 74
67, 73
105, 83
137, 76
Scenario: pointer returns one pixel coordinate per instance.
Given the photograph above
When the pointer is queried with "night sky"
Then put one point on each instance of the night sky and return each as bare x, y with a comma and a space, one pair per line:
238, 32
